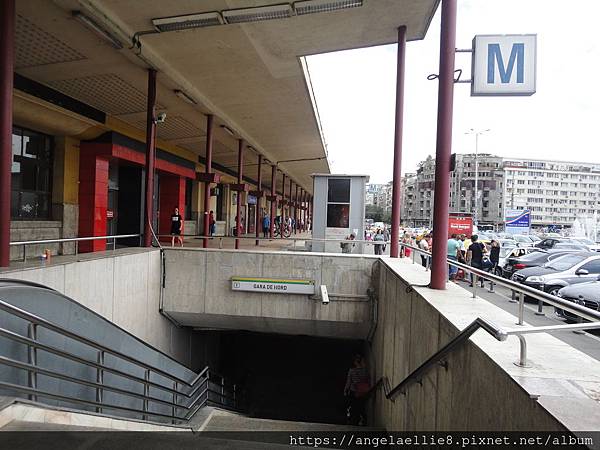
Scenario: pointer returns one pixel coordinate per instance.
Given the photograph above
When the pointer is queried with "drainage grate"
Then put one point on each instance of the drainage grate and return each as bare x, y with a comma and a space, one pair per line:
36, 47
107, 92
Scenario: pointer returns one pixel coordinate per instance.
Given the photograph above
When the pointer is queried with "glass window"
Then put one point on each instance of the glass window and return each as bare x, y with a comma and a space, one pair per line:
31, 175
592, 266
338, 206
339, 190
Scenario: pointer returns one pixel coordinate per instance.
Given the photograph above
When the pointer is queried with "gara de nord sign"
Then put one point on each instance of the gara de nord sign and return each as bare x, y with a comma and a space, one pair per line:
504, 64
273, 286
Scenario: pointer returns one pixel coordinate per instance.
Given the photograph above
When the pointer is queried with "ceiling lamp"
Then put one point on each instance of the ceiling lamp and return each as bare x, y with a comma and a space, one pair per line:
258, 13
178, 23
319, 6
228, 130
97, 29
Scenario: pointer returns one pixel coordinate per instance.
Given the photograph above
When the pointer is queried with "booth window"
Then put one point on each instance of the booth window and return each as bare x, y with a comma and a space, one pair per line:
338, 203
31, 175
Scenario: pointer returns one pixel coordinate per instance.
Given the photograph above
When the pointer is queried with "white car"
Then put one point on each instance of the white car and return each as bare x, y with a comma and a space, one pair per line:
587, 243
523, 241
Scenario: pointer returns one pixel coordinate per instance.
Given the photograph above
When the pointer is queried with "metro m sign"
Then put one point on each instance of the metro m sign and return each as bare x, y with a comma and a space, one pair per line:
504, 64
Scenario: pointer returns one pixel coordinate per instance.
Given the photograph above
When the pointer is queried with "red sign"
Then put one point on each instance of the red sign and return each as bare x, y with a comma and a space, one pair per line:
460, 224
109, 214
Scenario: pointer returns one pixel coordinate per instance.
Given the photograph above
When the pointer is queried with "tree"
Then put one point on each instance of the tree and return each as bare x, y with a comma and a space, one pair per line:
374, 212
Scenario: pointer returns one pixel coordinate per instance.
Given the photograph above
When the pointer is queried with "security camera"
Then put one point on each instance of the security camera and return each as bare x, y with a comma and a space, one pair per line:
161, 117
324, 295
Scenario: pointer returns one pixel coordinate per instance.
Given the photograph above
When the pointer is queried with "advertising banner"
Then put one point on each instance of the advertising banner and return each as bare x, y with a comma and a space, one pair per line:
518, 221
460, 223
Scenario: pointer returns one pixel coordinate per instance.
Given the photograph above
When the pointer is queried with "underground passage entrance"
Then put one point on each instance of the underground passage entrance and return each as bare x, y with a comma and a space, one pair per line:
298, 378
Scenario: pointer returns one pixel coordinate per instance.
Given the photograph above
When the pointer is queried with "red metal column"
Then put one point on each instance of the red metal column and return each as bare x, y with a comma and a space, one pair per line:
7, 58
281, 226
258, 197
238, 225
290, 202
150, 156
209, 150
439, 269
296, 211
273, 201
396, 188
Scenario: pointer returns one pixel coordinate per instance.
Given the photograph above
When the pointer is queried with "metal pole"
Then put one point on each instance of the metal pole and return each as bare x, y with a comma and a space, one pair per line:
521, 308
476, 179
258, 198
443, 145
150, 155
238, 225
273, 201
208, 170
296, 211
32, 358
397, 185
281, 227
99, 380
7, 58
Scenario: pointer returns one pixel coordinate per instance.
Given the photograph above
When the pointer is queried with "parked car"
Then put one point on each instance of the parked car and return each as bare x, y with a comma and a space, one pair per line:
550, 242
512, 252
523, 241
571, 246
591, 245
534, 259
584, 294
563, 271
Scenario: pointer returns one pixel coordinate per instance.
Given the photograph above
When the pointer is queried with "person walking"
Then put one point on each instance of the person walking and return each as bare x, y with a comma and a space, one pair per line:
424, 245
266, 225
494, 255
475, 256
356, 390
176, 227
379, 242
212, 224
454, 246
348, 245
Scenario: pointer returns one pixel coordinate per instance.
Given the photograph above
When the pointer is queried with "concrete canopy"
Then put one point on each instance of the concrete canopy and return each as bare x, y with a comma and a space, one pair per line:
251, 76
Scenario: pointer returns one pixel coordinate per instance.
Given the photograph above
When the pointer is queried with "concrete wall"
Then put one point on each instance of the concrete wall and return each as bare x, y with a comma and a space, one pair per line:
198, 292
481, 389
124, 289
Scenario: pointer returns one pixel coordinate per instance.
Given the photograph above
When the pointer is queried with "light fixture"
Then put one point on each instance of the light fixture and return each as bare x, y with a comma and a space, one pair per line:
258, 13
98, 30
318, 6
228, 130
182, 95
177, 23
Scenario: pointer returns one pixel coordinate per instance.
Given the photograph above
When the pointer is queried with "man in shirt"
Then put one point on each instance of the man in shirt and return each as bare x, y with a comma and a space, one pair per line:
454, 246
475, 255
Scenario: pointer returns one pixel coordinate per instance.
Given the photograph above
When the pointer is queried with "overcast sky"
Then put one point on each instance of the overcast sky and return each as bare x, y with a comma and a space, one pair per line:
355, 92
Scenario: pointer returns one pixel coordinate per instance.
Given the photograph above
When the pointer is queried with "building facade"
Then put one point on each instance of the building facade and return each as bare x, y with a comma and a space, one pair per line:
557, 193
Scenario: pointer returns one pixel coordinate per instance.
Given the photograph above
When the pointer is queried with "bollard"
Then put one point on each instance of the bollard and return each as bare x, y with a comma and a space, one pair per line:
512, 297
521, 308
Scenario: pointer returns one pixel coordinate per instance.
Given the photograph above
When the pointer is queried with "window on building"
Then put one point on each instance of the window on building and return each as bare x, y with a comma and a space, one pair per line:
31, 183
338, 203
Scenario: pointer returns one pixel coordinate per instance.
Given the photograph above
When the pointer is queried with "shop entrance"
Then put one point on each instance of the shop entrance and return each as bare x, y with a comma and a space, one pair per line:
129, 201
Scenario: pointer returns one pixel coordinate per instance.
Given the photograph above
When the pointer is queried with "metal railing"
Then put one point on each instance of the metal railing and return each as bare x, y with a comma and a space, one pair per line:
480, 323
497, 332
76, 240
186, 397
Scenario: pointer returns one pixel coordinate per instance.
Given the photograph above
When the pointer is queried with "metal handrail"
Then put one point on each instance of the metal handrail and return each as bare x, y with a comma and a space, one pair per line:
497, 332
76, 240
200, 385
558, 302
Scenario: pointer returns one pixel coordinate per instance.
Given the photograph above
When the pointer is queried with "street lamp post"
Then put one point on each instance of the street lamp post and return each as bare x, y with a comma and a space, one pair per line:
477, 134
